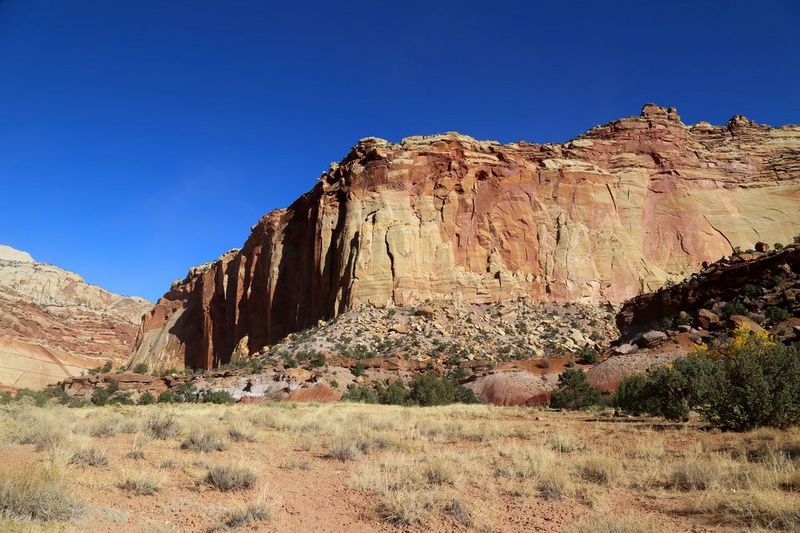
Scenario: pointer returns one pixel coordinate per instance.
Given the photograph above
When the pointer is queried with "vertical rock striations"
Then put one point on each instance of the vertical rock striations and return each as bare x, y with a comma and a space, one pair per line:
616, 212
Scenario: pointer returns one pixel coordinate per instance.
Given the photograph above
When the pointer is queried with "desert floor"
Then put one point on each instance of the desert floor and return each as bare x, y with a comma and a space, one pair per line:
352, 467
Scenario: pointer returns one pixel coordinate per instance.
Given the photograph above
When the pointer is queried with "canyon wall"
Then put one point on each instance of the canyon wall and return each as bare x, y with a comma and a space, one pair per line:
54, 325
616, 212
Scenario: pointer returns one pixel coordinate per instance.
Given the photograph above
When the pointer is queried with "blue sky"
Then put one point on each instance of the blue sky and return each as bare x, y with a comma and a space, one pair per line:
139, 138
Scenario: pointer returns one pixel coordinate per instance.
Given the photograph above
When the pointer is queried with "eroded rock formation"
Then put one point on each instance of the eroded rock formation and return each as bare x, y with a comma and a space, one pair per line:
616, 212
53, 324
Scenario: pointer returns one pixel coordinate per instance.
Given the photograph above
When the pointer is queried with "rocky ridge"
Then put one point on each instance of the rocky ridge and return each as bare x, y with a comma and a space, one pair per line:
618, 211
53, 324
756, 289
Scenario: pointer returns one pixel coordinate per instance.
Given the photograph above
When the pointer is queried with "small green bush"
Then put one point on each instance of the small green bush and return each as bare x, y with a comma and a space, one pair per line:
218, 397
733, 308
166, 397
629, 397
430, 389
141, 368
147, 399
751, 291
101, 396
587, 355
362, 394
574, 391
394, 394
777, 314
107, 367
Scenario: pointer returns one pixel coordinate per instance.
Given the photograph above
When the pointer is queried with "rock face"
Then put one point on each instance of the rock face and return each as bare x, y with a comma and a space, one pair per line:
616, 212
53, 324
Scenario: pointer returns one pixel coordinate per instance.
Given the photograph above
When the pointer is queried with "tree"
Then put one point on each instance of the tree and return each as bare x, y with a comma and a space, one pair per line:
394, 394
574, 391
629, 396
430, 389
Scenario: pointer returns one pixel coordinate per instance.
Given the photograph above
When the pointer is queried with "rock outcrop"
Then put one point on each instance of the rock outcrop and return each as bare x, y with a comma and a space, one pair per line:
54, 325
616, 212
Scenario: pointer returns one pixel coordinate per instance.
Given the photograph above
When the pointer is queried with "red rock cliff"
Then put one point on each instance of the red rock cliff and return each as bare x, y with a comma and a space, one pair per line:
614, 213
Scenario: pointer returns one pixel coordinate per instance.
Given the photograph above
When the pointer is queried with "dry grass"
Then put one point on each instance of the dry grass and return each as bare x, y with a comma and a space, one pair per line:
37, 492
90, 456
444, 468
204, 441
230, 477
140, 485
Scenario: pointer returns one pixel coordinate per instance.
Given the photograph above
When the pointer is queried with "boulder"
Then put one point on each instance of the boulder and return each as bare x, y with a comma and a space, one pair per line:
398, 328
707, 319
653, 337
736, 321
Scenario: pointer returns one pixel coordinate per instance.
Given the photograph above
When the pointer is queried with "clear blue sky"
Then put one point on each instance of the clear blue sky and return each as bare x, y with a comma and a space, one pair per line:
141, 137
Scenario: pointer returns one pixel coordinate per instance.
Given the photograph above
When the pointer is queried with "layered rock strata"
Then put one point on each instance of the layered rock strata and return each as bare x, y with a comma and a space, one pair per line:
616, 212
54, 325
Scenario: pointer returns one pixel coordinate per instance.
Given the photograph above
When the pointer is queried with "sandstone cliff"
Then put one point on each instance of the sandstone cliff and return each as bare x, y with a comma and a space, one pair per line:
53, 324
616, 212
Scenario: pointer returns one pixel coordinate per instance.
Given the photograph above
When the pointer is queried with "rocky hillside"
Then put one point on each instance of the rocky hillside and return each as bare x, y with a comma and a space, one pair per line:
755, 289
618, 211
53, 324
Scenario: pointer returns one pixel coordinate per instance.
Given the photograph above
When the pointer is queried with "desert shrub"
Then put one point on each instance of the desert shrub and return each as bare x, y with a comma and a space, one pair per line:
359, 369
162, 425
777, 314
432, 389
107, 367
394, 394
629, 397
587, 355
186, 392
166, 397
732, 308
360, 393
317, 360
778, 246
147, 399
748, 382
121, 398
343, 449
760, 384
228, 477
89, 456
459, 511
751, 291
218, 397
141, 486
141, 368
204, 441
101, 396
246, 516
574, 391
34, 491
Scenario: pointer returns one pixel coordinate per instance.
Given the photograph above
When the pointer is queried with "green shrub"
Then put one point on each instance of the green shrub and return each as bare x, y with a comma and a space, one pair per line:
760, 386
147, 399
574, 391
186, 392
357, 393
394, 394
316, 361
359, 369
777, 314
101, 396
778, 246
751, 291
629, 396
121, 398
166, 397
430, 389
588, 355
107, 367
141, 368
218, 396
733, 308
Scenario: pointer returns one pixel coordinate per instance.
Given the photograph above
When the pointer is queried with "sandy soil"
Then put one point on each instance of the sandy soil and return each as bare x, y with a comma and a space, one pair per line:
493, 461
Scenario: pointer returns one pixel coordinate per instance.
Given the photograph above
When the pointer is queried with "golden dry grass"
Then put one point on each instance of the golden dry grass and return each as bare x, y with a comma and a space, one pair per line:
370, 467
